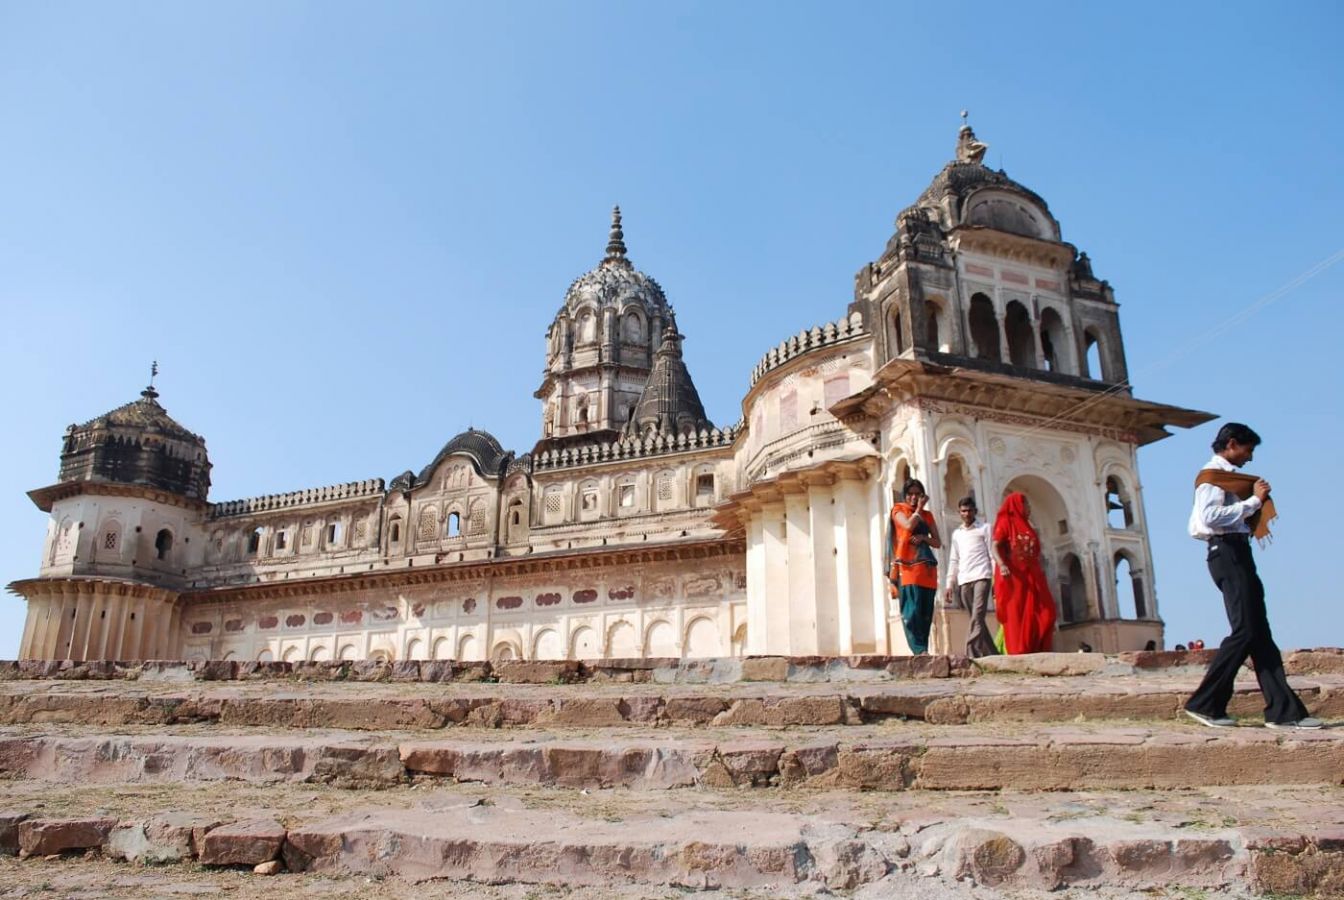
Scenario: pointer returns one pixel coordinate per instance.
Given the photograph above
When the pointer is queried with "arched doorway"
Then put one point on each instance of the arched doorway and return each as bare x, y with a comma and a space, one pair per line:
1050, 515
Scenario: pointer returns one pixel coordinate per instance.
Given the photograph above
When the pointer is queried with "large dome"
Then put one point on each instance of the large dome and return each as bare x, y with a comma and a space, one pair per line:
615, 281
137, 443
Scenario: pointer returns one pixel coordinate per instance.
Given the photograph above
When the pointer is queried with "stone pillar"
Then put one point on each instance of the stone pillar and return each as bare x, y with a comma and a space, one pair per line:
757, 597
825, 555
32, 625
802, 585
1000, 318
85, 610
114, 628
135, 629
776, 581
64, 630
853, 564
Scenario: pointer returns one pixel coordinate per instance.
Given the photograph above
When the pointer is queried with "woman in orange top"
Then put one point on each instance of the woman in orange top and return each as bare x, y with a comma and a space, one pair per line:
911, 540
1022, 599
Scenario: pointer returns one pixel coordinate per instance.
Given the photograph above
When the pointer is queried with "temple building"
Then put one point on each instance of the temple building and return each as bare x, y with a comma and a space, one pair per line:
980, 354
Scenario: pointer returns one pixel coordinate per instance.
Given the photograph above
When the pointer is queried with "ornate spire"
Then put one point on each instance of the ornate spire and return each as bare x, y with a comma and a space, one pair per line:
149, 393
616, 243
669, 403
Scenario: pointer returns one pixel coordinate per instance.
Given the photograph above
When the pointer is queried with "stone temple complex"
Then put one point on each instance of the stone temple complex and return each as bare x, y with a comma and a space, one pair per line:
979, 353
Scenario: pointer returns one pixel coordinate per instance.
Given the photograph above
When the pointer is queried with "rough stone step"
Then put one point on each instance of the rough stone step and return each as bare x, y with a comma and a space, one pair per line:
380, 706
727, 670
1288, 840
895, 758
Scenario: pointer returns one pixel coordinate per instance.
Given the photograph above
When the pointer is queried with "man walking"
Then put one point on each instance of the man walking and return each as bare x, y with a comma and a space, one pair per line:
970, 571
1229, 509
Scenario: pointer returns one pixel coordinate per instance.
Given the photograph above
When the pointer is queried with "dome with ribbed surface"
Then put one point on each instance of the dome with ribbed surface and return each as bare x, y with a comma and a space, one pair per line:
489, 457
669, 404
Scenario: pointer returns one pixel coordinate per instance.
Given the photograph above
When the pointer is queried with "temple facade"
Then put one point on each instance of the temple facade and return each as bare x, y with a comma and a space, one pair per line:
980, 354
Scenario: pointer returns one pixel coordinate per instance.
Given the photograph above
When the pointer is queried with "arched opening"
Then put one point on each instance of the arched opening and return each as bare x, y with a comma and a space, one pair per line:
514, 517
622, 641
1049, 515
702, 639
454, 526
581, 409
254, 542
547, 645
1072, 590
1021, 336
740, 640
897, 334
933, 314
443, 648
632, 329
1092, 366
319, 653
1053, 340
163, 543
1119, 509
415, 649
265, 656
1129, 594
503, 652
349, 653
587, 327
291, 654
394, 530
984, 329
583, 644
957, 485
661, 641
466, 648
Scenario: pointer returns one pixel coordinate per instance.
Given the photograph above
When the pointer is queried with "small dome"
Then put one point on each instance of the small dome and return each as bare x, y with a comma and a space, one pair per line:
137, 443
967, 192
489, 458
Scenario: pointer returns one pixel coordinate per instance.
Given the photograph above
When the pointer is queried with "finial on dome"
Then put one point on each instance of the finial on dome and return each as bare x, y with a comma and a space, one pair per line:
149, 393
969, 150
616, 243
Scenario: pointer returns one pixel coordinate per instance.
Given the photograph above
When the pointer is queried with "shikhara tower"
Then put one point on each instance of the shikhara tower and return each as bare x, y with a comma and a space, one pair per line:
980, 354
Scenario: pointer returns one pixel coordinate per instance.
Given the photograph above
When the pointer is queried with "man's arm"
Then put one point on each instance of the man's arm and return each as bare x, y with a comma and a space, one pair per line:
1216, 513
953, 561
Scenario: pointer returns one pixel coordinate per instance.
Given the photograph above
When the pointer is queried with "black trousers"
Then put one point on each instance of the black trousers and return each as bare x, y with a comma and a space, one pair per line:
1233, 570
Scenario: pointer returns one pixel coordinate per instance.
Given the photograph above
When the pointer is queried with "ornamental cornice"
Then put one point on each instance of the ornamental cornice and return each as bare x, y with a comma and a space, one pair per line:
737, 511
89, 586
473, 570
45, 497
1016, 247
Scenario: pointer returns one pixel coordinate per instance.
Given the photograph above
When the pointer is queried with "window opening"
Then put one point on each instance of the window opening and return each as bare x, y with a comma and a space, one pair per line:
163, 543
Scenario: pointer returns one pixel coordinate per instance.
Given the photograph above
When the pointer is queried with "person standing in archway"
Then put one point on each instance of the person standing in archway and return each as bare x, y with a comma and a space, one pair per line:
970, 571
1022, 598
912, 536
1229, 508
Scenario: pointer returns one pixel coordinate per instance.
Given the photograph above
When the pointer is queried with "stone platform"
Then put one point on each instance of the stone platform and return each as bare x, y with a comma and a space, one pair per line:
937, 778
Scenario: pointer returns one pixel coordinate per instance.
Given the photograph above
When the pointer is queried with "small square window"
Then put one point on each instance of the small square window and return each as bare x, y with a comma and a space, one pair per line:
589, 501
704, 486
279, 540
626, 496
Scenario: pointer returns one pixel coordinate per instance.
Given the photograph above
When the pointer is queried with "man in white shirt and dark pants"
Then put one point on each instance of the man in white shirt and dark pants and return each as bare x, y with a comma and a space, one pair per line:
1225, 518
970, 572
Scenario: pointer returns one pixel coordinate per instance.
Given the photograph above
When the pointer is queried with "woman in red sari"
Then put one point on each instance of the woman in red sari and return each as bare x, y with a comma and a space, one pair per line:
1022, 599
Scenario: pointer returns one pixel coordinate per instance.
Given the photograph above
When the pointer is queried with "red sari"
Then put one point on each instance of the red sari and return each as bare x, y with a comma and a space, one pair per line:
1023, 602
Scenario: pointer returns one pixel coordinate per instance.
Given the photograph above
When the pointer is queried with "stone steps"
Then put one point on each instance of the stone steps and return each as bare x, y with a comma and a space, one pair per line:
1243, 840
900, 758
383, 706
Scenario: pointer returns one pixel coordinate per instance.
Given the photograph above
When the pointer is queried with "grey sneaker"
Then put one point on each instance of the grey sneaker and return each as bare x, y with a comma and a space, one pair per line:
1219, 722
1307, 724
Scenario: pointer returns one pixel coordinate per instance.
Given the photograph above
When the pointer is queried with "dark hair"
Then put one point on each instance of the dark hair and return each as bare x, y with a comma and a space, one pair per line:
1235, 431
911, 485
966, 503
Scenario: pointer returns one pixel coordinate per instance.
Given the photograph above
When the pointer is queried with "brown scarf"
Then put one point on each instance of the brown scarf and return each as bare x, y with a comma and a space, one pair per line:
1243, 486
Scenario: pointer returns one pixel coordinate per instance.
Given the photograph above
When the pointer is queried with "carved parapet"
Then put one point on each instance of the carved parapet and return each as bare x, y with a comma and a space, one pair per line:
636, 448
351, 490
809, 340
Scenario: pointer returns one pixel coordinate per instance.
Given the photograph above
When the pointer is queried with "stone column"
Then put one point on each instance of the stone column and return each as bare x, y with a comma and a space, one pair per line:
825, 555
64, 630
1001, 320
776, 582
135, 628
115, 628
801, 568
32, 625
854, 577
757, 598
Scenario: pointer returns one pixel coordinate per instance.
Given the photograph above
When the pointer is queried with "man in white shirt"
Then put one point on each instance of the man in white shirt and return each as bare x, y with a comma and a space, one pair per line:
1225, 520
970, 572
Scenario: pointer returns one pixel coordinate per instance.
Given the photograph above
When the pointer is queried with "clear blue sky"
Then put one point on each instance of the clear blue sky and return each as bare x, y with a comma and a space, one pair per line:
342, 229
